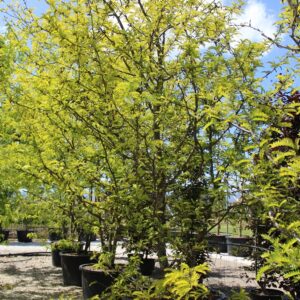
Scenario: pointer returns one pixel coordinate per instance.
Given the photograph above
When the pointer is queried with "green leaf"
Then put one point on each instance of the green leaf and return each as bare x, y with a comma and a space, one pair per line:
285, 142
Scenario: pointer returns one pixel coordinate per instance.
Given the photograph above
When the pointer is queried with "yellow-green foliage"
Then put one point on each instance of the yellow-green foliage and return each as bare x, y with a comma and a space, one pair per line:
240, 295
132, 100
284, 258
184, 283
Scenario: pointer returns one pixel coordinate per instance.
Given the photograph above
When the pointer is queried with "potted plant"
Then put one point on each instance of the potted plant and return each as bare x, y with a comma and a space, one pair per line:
70, 262
24, 235
5, 217
25, 215
7, 199
141, 252
4, 234
107, 211
85, 231
58, 230
98, 277
54, 234
142, 237
190, 245
63, 245
269, 277
276, 203
68, 253
80, 254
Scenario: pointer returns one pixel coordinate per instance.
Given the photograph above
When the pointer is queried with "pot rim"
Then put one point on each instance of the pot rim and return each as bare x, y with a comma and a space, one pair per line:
75, 254
239, 237
218, 235
258, 290
83, 267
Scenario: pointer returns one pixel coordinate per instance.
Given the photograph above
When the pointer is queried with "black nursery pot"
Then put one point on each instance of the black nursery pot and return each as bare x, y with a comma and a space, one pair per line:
217, 243
56, 258
94, 282
4, 234
268, 294
54, 236
22, 236
147, 265
70, 263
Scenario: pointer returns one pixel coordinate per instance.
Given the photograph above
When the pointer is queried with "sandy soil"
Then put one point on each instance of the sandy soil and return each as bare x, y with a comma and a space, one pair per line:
34, 277
230, 272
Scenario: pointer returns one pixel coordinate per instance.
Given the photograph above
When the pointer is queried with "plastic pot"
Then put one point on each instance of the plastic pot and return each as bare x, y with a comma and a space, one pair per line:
54, 236
217, 243
70, 263
268, 294
56, 262
94, 282
147, 265
4, 234
22, 236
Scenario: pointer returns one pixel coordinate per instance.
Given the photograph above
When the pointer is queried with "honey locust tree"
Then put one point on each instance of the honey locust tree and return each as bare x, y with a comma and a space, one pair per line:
148, 103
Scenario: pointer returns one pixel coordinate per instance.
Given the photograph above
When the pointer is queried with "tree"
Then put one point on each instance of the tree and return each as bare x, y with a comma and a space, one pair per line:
147, 103
275, 172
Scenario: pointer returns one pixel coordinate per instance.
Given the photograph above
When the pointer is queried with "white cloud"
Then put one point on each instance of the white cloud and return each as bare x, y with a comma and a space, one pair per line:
256, 14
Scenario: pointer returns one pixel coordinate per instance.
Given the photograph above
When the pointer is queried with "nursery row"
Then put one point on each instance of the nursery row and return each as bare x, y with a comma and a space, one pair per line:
137, 277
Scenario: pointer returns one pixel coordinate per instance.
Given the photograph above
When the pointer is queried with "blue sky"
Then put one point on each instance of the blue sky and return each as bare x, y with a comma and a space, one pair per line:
255, 9
261, 14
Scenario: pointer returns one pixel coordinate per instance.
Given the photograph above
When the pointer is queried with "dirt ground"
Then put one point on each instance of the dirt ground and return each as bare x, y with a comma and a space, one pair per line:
34, 277
26, 278
230, 272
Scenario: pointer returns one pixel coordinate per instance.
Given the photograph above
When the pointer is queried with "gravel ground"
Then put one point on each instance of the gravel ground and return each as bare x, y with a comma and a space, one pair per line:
230, 272
34, 277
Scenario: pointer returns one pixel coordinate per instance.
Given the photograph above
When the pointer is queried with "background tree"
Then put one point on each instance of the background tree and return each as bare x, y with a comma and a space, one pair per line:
275, 172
